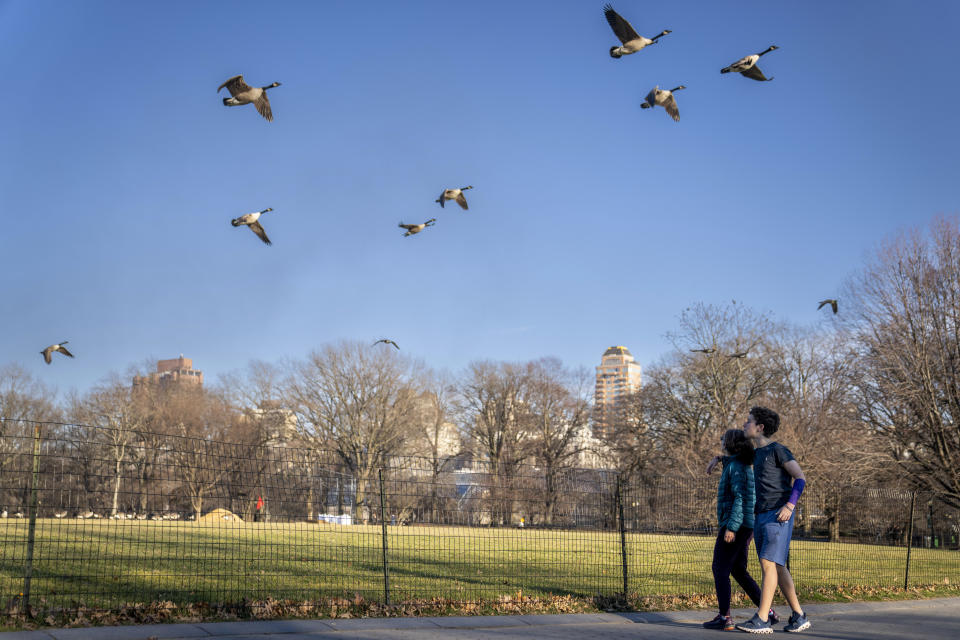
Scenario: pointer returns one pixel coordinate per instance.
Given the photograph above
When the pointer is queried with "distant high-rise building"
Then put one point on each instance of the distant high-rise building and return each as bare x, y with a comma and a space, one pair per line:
176, 371
617, 377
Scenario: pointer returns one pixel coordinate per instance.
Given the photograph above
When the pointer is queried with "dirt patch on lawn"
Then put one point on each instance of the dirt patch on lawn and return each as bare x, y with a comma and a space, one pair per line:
219, 514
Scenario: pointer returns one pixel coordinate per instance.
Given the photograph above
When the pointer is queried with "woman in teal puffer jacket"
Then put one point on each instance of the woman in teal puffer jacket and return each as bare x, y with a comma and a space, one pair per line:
736, 498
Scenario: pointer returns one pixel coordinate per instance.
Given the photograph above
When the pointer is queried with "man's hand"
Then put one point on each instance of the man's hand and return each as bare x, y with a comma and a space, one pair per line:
785, 512
714, 461
728, 536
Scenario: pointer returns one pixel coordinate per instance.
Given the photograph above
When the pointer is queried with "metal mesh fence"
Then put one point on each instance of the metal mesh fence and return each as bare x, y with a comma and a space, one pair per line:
99, 519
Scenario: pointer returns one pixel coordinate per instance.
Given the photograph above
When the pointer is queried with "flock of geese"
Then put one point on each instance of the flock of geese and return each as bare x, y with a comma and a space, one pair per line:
93, 515
631, 42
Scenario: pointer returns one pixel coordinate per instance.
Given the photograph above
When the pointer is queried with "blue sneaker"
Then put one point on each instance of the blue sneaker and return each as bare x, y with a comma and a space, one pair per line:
798, 622
755, 625
724, 623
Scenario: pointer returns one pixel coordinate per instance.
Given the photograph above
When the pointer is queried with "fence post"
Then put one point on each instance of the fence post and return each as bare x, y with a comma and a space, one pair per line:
31, 531
623, 534
383, 525
906, 572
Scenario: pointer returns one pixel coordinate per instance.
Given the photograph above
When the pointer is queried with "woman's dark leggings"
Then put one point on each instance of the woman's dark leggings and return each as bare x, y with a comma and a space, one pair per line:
730, 558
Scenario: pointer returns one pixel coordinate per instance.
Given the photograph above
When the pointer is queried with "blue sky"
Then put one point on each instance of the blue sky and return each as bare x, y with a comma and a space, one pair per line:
592, 222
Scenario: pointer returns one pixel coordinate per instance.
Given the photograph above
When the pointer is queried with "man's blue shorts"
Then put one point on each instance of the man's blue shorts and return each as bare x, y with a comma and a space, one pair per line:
772, 537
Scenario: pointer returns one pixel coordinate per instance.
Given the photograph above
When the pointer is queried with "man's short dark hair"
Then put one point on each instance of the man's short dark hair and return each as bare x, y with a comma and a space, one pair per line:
767, 418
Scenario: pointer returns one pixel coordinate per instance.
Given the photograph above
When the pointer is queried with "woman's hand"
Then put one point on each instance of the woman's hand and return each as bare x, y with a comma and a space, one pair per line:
728, 536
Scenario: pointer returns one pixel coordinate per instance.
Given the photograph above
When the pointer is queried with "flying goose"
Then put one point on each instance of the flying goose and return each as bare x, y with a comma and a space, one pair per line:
739, 355
665, 99
242, 93
250, 220
454, 194
828, 301
416, 228
708, 350
48, 352
747, 66
632, 41
385, 341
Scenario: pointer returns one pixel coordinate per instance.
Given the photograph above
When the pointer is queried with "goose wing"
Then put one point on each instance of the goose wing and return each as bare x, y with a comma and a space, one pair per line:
651, 98
620, 27
62, 349
235, 86
408, 227
46, 355
462, 201
263, 106
442, 198
670, 104
754, 73
257, 228
740, 65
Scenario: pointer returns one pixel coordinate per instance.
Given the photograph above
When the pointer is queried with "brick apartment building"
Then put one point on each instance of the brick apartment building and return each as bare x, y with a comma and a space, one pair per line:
175, 371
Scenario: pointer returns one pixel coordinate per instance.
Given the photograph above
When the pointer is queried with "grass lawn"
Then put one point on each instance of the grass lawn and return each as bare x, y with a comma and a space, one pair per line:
104, 564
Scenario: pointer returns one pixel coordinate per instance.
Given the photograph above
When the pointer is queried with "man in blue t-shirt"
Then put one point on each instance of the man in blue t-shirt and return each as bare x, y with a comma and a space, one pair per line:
779, 481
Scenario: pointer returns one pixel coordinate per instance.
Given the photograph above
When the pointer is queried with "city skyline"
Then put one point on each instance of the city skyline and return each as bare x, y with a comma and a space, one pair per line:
591, 221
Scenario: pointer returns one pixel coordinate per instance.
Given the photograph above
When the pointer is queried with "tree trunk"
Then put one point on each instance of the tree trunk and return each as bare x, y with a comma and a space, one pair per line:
196, 501
835, 520
116, 488
142, 487
360, 510
550, 501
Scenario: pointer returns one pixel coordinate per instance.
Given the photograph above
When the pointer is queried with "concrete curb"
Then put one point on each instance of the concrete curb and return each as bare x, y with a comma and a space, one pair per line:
281, 627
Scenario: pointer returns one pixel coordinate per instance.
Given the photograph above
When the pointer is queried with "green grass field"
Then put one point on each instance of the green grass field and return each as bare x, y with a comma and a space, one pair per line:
104, 564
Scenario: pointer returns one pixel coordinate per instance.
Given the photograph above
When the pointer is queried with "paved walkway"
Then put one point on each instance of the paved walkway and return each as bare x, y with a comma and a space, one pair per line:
937, 619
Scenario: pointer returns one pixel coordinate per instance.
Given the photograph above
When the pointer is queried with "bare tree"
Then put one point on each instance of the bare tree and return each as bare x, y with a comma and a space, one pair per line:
24, 400
630, 440
435, 437
558, 409
24, 397
493, 411
147, 451
690, 398
358, 401
111, 415
198, 421
265, 423
903, 311
814, 394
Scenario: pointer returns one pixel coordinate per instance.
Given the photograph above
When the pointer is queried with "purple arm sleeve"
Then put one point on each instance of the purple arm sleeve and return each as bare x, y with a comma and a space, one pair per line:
798, 486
